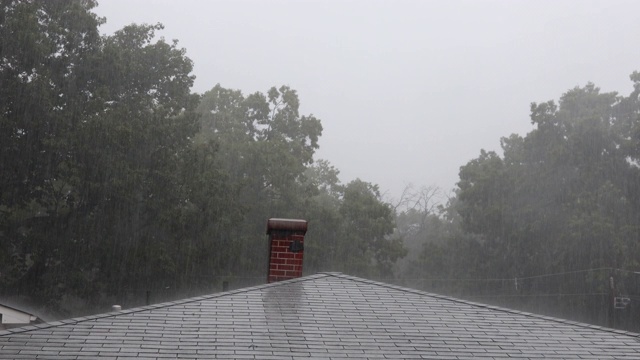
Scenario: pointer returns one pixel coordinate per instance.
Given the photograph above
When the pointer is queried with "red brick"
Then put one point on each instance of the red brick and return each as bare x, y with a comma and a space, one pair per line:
282, 243
284, 264
285, 255
277, 272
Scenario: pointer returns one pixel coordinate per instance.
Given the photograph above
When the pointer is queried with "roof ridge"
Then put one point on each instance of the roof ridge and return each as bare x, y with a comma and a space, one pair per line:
76, 320
17, 309
487, 306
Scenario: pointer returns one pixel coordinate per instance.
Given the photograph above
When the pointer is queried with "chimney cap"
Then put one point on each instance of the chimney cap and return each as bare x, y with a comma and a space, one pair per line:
276, 224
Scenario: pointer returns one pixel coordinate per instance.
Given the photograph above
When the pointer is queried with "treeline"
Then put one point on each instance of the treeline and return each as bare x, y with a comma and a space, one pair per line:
117, 180
563, 198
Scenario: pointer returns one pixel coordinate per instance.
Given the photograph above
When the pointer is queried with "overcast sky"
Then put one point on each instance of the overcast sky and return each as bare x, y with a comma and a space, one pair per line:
407, 91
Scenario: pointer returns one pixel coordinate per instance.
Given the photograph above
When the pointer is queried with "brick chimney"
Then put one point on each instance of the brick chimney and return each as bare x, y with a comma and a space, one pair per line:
286, 248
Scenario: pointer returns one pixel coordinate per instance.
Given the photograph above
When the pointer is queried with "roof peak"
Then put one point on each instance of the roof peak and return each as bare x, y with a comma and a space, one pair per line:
320, 275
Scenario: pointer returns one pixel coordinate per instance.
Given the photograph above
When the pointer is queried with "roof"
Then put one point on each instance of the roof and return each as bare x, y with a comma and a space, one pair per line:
328, 315
11, 311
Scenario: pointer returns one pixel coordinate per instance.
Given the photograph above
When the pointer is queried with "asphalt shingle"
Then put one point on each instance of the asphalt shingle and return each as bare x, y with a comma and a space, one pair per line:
323, 316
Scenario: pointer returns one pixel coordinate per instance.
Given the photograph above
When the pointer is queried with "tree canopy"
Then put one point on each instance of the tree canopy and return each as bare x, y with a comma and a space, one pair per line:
562, 199
118, 181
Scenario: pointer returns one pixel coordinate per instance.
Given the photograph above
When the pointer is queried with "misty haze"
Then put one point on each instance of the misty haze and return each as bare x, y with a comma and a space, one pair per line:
482, 150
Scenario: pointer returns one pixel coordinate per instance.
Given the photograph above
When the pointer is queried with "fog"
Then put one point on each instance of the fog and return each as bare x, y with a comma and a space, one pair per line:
407, 91
133, 174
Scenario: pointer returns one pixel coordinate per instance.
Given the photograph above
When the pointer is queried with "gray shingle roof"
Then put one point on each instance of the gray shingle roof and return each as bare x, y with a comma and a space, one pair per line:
327, 315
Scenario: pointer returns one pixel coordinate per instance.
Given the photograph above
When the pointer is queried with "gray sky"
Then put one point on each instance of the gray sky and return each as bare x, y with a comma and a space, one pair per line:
407, 91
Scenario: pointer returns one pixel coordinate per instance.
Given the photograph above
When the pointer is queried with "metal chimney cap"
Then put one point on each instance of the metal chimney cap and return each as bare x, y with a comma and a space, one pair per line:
296, 225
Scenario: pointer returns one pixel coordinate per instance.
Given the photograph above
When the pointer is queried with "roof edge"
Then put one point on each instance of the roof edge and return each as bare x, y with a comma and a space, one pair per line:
73, 321
486, 306
76, 320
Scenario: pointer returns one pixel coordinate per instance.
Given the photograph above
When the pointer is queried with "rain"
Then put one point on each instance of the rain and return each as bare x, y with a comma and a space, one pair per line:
485, 150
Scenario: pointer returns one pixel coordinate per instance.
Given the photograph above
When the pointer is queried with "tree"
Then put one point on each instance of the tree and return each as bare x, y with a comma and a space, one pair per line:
45, 89
117, 180
322, 209
366, 246
129, 157
561, 198
95, 130
267, 146
417, 223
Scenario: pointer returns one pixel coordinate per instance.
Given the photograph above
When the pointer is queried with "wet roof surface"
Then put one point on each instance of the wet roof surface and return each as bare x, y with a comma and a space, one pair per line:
324, 316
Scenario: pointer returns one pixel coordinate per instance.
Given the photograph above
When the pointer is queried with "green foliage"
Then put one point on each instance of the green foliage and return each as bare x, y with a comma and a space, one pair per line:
267, 150
265, 146
562, 198
562, 188
96, 134
367, 225
117, 180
